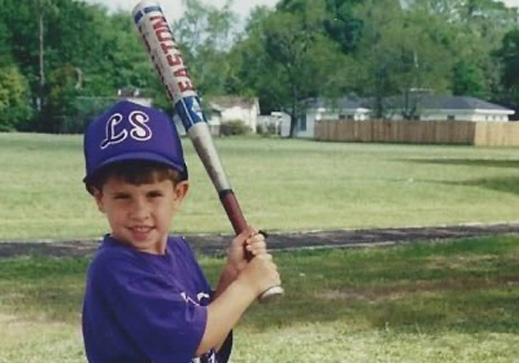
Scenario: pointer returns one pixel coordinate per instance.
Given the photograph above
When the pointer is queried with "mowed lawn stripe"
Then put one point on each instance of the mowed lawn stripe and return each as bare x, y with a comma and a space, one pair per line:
281, 184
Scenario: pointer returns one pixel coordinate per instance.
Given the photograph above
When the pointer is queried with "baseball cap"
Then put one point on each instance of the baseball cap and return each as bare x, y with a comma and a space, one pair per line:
128, 131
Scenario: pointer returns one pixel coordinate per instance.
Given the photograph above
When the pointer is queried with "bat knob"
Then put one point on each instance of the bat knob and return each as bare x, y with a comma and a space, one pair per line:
272, 293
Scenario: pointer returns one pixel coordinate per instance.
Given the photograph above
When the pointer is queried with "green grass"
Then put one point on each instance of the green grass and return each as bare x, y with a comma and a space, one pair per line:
443, 302
282, 184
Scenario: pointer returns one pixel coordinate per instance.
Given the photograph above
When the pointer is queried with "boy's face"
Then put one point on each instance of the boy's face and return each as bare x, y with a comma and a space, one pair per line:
140, 215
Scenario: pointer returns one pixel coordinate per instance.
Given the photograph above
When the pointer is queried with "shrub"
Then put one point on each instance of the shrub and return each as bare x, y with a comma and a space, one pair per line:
234, 127
267, 130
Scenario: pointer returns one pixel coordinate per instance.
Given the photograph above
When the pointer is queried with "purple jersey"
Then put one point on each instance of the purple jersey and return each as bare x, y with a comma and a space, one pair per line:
141, 307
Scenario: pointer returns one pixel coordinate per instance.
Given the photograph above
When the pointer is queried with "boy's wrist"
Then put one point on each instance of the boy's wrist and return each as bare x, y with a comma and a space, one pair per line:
230, 271
227, 276
246, 289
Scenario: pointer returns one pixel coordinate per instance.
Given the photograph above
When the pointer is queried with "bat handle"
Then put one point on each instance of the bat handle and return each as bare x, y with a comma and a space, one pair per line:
235, 214
233, 210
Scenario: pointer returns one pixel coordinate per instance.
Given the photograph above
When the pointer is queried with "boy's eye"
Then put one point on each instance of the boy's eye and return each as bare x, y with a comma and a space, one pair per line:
155, 194
121, 196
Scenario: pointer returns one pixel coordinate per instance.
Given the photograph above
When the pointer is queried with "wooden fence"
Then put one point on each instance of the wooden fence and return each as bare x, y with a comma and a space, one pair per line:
420, 132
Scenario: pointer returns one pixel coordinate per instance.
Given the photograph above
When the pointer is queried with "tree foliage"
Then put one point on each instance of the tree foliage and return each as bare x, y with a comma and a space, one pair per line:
78, 38
206, 35
14, 110
287, 57
508, 56
56, 52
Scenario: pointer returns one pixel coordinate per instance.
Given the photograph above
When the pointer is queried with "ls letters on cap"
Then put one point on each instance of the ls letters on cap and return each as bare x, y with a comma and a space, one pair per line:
116, 133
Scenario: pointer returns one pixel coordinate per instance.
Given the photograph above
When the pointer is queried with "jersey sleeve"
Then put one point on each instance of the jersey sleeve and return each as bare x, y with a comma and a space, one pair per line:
159, 319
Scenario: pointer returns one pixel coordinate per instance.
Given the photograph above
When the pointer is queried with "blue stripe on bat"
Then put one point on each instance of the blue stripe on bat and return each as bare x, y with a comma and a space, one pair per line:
138, 17
189, 111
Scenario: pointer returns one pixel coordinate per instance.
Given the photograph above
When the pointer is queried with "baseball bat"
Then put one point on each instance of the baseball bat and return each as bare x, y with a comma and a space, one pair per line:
169, 63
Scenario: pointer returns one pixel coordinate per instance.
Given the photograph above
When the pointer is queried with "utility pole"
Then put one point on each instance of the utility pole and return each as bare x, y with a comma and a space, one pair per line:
41, 83
41, 58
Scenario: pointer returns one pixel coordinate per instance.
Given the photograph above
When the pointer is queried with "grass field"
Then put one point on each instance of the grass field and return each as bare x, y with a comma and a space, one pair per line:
282, 184
448, 302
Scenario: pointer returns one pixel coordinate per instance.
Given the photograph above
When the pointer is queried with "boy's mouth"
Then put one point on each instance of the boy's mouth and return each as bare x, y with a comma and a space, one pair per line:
140, 231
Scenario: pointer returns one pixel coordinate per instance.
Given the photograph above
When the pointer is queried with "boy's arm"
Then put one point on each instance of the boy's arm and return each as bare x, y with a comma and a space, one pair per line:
232, 300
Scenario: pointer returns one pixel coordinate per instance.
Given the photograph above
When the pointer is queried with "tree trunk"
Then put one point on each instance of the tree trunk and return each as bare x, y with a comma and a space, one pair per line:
293, 112
293, 124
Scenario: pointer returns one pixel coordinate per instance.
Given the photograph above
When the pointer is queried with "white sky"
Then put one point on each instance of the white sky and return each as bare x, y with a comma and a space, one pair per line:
514, 3
174, 8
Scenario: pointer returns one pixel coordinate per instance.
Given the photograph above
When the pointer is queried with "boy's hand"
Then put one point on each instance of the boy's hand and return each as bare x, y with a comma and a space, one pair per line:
252, 241
260, 274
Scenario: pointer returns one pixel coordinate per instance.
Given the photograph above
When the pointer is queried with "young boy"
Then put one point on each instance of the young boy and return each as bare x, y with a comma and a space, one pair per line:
146, 298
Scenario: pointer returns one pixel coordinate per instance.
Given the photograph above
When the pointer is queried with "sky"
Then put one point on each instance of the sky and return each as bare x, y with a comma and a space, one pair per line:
174, 8
514, 3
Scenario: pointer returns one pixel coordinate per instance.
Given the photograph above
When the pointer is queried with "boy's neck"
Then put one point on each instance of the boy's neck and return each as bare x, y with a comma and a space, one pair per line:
159, 248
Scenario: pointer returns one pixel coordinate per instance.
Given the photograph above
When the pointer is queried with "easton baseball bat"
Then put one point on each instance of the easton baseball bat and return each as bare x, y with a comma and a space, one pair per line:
169, 63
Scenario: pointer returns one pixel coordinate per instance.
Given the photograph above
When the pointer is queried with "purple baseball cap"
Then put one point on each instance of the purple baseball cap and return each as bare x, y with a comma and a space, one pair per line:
129, 131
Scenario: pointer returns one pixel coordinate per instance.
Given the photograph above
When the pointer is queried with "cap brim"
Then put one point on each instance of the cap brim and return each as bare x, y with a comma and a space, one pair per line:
137, 156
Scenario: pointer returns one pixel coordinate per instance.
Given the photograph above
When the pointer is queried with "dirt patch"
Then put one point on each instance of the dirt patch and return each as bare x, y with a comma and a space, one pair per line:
278, 241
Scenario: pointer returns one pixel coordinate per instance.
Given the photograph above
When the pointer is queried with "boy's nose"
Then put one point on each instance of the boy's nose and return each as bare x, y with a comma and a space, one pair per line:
140, 210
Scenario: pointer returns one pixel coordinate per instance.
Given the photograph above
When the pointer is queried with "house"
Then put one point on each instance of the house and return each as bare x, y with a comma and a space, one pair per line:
453, 108
424, 107
223, 109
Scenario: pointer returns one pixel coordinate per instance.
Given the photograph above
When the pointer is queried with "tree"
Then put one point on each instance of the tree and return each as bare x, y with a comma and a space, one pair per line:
14, 110
287, 58
64, 86
468, 79
342, 25
508, 56
206, 34
404, 55
339, 21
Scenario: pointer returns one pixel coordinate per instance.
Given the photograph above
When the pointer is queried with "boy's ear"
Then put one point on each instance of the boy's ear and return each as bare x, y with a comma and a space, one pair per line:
98, 196
180, 191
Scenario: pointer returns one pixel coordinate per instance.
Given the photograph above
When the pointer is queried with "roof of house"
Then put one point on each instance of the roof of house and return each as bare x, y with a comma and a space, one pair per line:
456, 103
431, 102
337, 103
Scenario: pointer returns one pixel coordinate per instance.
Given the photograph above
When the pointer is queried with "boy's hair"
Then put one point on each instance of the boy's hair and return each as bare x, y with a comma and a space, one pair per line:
134, 172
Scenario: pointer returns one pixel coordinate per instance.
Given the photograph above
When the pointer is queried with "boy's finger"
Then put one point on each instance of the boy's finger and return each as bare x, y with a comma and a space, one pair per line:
256, 238
244, 235
256, 250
